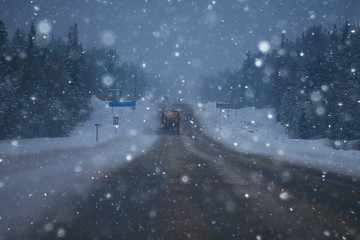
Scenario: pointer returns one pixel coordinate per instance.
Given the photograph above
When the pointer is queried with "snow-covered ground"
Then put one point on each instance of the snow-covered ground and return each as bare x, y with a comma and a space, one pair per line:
132, 125
256, 131
39, 172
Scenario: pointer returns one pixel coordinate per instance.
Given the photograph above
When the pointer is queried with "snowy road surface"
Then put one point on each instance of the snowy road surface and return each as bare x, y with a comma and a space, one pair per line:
33, 184
183, 187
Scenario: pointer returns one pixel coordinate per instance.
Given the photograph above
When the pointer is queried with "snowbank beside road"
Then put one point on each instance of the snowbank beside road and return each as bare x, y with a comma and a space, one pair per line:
37, 174
133, 124
256, 131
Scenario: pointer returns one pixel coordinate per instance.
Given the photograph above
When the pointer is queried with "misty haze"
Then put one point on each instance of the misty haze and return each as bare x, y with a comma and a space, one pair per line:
176, 119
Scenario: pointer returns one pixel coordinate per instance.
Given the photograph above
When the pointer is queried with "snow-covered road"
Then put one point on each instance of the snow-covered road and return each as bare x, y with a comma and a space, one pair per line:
46, 184
192, 186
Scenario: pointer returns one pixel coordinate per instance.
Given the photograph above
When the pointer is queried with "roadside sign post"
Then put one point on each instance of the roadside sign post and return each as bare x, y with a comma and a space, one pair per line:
221, 105
219, 117
97, 131
237, 106
116, 122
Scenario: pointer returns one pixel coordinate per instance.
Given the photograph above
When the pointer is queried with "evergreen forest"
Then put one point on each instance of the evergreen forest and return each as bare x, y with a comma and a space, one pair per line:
313, 83
46, 83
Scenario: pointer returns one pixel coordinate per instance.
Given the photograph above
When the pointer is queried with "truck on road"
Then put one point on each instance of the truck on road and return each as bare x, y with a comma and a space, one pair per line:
170, 122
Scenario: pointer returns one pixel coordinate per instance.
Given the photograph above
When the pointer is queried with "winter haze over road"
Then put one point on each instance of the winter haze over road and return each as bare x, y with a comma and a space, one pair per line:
263, 157
138, 183
177, 39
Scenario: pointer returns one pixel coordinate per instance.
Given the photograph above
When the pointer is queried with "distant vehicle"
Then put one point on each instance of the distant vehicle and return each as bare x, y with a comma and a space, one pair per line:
189, 117
170, 122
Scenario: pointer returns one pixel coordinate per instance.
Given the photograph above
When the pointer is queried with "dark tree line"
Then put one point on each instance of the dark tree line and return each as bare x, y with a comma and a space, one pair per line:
313, 83
109, 72
46, 83
251, 86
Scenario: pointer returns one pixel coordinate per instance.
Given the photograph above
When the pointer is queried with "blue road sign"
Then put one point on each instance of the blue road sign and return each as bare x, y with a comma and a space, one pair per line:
122, 104
116, 120
97, 124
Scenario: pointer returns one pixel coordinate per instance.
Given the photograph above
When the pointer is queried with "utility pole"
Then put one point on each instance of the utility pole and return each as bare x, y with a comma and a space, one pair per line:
219, 117
97, 131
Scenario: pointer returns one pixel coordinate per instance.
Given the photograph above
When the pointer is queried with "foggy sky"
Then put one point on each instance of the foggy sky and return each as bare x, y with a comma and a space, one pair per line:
179, 39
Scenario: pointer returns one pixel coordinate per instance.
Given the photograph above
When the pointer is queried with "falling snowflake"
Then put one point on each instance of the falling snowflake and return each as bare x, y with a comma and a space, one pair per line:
315, 96
108, 80
264, 46
61, 233
185, 179
108, 38
128, 157
44, 27
284, 195
258, 62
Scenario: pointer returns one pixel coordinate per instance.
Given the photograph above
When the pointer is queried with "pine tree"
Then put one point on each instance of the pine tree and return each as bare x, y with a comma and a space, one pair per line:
351, 86
246, 78
3, 46
18, 53
6, 87
78, 101
8, 114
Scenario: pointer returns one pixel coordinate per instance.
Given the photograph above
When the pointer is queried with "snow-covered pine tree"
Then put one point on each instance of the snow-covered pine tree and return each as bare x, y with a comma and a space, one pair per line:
78, 96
